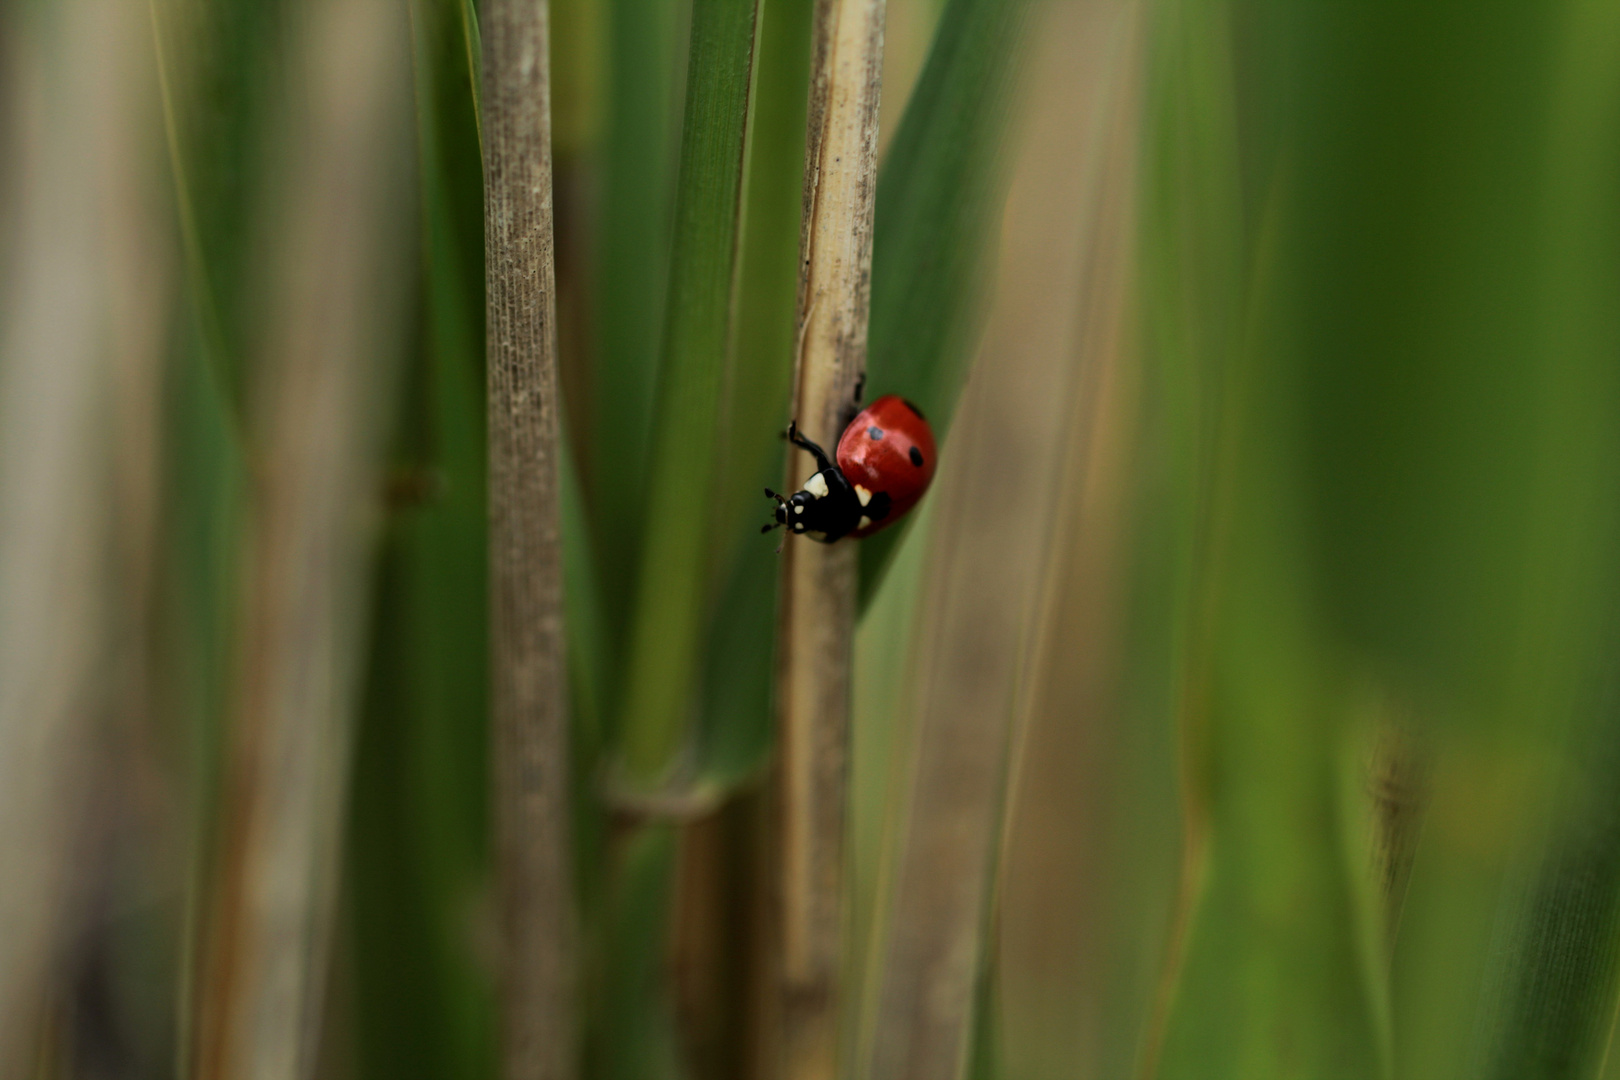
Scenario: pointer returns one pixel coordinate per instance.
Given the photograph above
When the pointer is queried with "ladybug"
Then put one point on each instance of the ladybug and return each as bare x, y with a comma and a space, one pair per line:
885, 462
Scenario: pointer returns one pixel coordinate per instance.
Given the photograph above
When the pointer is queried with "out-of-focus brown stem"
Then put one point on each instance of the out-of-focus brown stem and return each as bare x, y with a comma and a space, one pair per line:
530, 721
77, 332
336, 270
819, 582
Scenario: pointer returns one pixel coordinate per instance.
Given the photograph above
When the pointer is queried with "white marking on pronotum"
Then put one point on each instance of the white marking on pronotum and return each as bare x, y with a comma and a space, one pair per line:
817, 486
862, 494
799, 509
865, 521
799, 527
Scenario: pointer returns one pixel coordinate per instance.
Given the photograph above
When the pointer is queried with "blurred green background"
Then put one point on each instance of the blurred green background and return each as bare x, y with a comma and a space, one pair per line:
1243, 701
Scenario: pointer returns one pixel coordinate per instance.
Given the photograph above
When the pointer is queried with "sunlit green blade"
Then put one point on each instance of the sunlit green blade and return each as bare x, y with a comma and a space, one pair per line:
633, 253
938, 202
1452, 288
665, 643
1270, 973
1486, 576
1415, 456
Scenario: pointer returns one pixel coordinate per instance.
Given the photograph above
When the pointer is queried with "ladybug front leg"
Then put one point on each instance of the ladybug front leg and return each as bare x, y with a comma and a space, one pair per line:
793, 436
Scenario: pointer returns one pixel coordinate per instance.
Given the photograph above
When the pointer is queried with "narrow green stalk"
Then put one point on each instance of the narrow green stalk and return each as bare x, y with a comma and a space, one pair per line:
632, 253
423, 1005
666, 629
741, 635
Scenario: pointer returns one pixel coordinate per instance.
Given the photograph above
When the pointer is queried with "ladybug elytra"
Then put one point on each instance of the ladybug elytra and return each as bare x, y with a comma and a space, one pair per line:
885, 462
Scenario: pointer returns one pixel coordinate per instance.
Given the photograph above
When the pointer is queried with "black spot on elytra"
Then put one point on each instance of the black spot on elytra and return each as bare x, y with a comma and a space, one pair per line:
874, 433
878, 508
916, 457
918, 412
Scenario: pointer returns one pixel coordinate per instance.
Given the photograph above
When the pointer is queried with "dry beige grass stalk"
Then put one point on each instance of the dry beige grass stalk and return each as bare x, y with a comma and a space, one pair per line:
530, 748
819, 582
81, 292
337, 261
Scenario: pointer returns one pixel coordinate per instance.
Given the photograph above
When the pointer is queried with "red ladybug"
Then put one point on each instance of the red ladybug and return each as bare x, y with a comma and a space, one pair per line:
885, 461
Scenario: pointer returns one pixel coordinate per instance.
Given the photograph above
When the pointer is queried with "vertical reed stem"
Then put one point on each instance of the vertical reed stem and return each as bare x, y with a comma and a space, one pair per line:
530, 718
78, 339
819, 582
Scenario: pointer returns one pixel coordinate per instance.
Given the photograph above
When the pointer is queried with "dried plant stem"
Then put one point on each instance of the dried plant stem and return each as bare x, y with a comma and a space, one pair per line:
76, 327
819, 582
530, 720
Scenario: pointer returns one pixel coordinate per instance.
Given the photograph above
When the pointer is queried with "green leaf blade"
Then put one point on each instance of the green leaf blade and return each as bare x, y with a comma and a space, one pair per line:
664, 646
938, 203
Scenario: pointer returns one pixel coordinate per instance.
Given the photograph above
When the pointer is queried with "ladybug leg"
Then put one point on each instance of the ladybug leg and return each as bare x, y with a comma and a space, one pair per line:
781, 501
793, 436
853, 407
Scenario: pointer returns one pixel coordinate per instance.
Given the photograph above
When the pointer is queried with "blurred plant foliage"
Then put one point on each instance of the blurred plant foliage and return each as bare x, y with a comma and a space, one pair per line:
1313, 723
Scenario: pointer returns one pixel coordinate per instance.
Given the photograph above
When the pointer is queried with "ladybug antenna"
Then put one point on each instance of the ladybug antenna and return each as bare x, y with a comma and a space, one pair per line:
769, 494
772, 525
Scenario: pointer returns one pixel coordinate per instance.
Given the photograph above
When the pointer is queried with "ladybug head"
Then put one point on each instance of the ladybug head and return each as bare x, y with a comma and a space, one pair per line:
796, 512
824, 509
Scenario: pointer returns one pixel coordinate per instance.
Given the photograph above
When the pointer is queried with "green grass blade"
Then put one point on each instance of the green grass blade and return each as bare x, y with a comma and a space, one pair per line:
220, 77
882, 733
662, 664
938, 202
633, 256
1553, 970
587, 632
631, 1033
741, 642
419, 848
1272, 978
1451, 285
216, 70
1556, 982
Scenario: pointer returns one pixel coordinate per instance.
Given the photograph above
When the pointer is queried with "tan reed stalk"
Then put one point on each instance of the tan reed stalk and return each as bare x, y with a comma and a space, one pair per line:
78, 308
530, 737
819, 582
